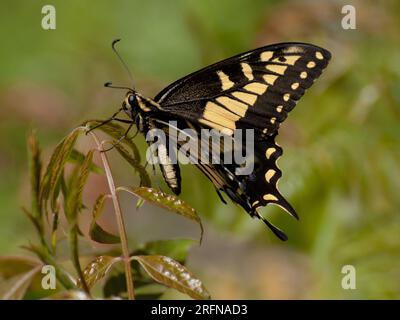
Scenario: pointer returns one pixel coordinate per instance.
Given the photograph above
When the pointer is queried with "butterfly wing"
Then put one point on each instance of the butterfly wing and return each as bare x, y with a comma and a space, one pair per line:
254, 90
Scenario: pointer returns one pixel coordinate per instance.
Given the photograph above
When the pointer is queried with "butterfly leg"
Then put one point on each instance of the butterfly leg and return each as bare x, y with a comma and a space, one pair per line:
105, 121
220, 196
120, 139
122, 120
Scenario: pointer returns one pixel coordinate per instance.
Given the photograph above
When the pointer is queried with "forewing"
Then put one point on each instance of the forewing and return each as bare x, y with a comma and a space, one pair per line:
256, 89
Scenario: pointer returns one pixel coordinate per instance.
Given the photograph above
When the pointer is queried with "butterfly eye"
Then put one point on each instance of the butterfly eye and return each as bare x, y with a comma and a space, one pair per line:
131, 100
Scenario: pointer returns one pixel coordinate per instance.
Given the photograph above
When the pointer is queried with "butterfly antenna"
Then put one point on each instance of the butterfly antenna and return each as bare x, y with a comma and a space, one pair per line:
122, 60
110, 85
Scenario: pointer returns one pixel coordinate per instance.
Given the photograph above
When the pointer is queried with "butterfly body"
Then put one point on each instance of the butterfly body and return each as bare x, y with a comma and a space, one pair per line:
255, 90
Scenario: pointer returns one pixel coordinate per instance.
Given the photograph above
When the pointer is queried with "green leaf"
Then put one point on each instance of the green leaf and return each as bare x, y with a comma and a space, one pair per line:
74, 249
78, 157
56, 165
54, 203
72, 206
166, 201
73, 203
172, 274
144, 176
96, 232
54, 229
35, 169
98, 269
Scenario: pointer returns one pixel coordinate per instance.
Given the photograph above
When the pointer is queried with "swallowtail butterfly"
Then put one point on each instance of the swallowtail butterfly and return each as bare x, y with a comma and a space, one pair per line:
253, 90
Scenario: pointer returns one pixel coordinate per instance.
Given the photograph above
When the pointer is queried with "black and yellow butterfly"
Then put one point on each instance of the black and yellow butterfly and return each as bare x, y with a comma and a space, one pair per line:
253, 90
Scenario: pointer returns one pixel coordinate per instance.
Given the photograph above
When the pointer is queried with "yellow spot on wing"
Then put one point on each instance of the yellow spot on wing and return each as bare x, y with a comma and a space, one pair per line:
266, 55
279, 108
311, 64
291, 60
295, 85
319, 55
269, 152
233, 105
256, 87
273, 120
225, 81
245, 97
270, 78
270, 173
247, 71
276, 68
286, 96
269, 197
303, 75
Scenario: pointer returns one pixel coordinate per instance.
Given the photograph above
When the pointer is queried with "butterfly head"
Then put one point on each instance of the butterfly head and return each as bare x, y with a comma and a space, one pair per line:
130, 105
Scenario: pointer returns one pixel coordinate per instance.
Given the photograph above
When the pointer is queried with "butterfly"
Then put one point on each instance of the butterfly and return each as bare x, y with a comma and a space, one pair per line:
253, 90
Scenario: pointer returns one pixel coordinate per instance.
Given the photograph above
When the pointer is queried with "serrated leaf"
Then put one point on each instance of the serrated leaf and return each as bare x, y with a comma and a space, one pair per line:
73, 203
98, 269
78, 157
54, 203
54, 228
144, 176
74, 249
56, 214
174, 275
170, 202
35, 169
56, 166
96, 232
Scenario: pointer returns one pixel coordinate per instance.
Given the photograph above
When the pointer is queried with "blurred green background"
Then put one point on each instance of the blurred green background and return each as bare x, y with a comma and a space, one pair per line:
341, 144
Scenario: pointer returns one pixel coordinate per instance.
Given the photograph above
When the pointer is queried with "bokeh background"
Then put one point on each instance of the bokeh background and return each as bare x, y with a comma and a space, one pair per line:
341, 143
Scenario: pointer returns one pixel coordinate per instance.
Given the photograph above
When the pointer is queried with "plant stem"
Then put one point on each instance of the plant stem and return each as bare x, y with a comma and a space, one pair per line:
120, 220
